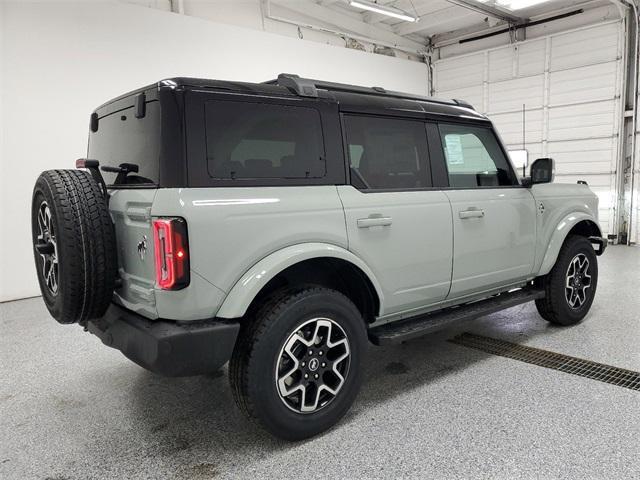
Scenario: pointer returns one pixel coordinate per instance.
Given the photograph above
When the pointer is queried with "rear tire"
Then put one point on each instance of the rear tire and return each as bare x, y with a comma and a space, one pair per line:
326, 334
570, 286
74, 245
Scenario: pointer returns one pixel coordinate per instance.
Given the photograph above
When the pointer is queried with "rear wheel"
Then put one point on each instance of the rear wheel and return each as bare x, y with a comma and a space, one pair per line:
570, 286
296, 366
74, 245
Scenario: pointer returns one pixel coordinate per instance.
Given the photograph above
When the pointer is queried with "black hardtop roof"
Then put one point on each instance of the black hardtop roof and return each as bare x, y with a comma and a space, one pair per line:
289, 85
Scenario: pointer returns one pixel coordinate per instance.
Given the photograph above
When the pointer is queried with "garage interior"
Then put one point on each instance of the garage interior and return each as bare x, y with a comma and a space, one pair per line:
559, 79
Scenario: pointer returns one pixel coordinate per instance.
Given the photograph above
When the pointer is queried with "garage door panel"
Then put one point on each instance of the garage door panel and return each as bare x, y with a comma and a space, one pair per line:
461, 72
594, 82
531, 58
510, 126
566, 167
501, 64
582, 146
582, 155
582, 121
511, 94
585, 47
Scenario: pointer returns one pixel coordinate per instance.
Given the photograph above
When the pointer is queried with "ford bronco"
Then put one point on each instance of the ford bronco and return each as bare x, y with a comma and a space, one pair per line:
280, 226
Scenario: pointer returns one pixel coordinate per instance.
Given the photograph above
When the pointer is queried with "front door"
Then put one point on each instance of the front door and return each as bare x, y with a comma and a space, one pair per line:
494, 218
396, 222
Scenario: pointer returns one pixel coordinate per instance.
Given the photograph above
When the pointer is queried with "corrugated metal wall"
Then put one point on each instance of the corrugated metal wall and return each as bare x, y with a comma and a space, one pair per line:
570, 84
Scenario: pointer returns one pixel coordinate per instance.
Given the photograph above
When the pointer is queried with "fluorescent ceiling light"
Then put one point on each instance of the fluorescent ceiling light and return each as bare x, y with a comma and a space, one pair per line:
383, 10
514, 4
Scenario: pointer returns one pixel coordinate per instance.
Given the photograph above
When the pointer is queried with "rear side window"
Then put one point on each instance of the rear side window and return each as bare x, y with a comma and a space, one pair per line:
123, 138
387, 153
261, 140
474, 157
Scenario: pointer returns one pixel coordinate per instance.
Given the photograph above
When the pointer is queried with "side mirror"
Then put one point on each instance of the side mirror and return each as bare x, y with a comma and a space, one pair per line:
542, 171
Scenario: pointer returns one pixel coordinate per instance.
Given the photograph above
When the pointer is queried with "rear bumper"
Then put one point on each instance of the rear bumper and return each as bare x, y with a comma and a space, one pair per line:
167, 347
601, 242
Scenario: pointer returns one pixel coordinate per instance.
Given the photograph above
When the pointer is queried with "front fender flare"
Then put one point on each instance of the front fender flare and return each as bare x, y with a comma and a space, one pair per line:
245, 290
558, 237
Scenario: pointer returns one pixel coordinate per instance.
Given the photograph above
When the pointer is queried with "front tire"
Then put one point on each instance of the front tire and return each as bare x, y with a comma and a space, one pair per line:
296, 366
570, 286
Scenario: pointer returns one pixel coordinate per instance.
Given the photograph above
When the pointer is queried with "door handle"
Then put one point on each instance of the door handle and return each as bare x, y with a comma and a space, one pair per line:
471, 213
375, 220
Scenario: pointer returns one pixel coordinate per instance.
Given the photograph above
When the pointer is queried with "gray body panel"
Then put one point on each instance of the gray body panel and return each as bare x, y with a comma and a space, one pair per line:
425, 258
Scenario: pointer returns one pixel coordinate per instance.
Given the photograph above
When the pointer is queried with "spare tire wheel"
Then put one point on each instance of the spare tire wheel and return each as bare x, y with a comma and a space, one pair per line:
74, 245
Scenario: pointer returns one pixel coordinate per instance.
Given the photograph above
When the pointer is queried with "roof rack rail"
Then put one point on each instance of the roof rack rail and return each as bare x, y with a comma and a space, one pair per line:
463, 103
307, 87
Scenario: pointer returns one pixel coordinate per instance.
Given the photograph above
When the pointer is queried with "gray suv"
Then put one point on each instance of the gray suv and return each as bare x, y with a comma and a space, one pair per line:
280, 226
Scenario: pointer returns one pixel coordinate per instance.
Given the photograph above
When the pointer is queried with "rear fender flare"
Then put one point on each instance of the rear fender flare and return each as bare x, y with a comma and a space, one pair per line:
245, 290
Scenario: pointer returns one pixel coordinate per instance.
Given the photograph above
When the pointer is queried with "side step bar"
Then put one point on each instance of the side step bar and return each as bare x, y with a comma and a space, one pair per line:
401, 330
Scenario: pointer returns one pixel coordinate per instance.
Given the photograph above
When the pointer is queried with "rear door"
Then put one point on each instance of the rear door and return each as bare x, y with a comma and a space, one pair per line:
123, 137
494, 218
396, 221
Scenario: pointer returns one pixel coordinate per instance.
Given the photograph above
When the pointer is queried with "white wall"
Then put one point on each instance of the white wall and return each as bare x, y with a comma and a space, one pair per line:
61, 60
254, 14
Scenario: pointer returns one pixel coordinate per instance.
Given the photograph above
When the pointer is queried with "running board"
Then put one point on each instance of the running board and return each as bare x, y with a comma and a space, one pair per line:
401, 330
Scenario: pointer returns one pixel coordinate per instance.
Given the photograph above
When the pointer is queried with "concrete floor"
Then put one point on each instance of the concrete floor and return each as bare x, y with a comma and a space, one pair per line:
73, 409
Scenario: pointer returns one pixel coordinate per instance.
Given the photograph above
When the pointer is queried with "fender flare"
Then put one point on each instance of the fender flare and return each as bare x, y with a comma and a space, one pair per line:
245, 290
558, 237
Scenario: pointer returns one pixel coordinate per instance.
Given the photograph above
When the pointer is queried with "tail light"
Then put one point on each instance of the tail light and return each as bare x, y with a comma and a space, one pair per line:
171, 253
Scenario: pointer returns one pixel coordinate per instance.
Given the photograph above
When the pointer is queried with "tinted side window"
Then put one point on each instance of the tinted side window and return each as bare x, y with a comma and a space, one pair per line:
474, 157
387, 153
123, 138
260, 140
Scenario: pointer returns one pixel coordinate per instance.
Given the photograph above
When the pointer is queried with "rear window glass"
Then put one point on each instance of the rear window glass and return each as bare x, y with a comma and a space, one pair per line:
387, 153
123, 138
260, 140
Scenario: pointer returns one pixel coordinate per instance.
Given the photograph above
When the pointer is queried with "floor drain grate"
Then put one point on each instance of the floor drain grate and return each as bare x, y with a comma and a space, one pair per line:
556, 361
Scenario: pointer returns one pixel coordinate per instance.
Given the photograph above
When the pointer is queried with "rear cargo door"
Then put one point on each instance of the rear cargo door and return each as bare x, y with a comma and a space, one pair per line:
124, 137
131, 213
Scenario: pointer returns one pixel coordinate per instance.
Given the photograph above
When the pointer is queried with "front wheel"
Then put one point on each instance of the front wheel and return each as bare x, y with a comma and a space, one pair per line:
296, 366
570, 286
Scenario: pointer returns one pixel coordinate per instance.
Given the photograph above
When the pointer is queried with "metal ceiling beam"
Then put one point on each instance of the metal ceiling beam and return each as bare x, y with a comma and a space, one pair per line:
433, 19
489, 10
345, 22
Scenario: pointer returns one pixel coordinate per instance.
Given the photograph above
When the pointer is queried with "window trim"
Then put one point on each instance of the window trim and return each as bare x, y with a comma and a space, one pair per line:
445, 180
425, 162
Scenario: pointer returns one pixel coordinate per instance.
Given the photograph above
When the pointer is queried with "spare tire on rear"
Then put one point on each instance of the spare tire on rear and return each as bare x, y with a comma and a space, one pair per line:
74, 245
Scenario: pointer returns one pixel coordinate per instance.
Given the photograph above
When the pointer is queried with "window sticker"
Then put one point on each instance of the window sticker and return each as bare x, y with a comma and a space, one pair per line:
454, 150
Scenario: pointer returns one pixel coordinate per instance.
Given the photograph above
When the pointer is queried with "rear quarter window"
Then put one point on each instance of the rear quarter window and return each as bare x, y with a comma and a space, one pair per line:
123, 138
247, 140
